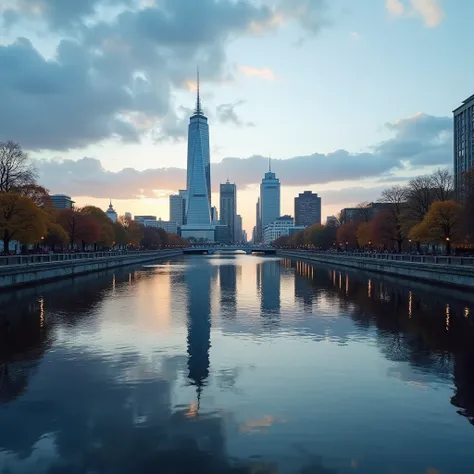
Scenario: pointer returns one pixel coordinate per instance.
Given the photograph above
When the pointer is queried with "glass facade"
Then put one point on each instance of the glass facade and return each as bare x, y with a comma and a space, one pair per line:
463, 140
269, 199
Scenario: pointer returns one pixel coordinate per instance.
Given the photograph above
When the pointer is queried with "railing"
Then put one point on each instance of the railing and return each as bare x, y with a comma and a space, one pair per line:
60, 257
433, 259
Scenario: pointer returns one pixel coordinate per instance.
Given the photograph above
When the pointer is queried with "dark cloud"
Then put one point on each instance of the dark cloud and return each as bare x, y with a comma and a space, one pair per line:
115, 79
87, 177
227, 114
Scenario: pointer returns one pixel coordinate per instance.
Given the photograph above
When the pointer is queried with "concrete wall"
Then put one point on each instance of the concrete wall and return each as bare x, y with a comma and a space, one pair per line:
18, 275
452, 275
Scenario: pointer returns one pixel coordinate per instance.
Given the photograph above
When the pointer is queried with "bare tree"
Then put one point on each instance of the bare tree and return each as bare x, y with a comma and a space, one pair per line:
442, 182
419, 197
16, 168
396, 197
364, 212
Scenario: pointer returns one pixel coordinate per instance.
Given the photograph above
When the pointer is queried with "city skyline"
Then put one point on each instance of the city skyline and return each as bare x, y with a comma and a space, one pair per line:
260, 65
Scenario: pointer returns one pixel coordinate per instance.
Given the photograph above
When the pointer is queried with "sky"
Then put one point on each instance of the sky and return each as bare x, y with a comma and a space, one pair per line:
348, 97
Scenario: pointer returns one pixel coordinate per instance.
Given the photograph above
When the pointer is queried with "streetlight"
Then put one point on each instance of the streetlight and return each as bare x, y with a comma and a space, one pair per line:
409, 241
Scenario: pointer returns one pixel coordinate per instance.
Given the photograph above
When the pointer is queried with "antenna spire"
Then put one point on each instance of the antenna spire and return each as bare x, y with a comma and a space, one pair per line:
270, 164
198, 110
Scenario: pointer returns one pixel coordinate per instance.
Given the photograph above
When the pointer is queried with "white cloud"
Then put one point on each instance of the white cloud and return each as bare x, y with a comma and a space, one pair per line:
261, 73
430, 11
395, 7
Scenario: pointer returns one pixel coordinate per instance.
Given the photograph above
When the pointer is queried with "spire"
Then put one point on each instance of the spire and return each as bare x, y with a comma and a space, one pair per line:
198, 109
270, 164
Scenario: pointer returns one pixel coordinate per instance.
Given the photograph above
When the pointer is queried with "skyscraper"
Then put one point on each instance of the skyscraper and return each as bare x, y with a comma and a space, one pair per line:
307, 209
177, 209
238, 229
258, 225
228, 207
269, 198
198, 206
463, 140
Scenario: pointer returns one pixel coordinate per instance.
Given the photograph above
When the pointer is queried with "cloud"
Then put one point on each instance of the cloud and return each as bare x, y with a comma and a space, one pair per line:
421, 140
395, 7
108, 73
310, 14
262, 73
226, 114
430, 11
355, 36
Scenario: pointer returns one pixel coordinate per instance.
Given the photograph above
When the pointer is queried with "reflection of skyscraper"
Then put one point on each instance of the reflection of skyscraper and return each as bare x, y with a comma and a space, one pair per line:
199, 324
268, 280
228, 286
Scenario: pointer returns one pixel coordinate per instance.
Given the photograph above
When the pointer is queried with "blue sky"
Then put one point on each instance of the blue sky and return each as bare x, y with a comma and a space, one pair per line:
297, 79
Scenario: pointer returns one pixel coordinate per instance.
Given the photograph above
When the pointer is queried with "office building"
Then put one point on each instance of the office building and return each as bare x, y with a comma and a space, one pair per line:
269, 198
177, 209
331, 220
278, 228
238, 229
228, 208
198, 224
61, 201
168, 226
463, 140
184, 194
258, 237
142, 219
307, 209
214, 215
110, 212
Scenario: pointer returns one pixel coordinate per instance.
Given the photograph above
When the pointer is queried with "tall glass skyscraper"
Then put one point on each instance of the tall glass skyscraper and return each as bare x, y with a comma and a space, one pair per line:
269, 198
198, 203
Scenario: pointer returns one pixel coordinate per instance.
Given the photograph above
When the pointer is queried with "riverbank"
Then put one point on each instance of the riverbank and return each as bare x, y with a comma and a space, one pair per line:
30, 271
442, 273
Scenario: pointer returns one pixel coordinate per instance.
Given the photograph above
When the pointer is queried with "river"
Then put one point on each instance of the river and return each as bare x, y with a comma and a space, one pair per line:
236, 364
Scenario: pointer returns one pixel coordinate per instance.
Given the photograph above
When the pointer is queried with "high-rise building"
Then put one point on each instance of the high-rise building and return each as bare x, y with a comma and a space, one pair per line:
258, 226
110, 212
184, 194
214, 215
228, 207
238, 229
198, 182
463, 140
269, 198
61, 201
177, 209
307, 209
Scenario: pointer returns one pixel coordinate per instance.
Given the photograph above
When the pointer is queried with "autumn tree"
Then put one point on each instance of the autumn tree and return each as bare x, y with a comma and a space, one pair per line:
55, 235
151, 238
364, 233
81, 228
20, 219
347, 234
120, 234
442, 224
134, 233
106, 229
16, 168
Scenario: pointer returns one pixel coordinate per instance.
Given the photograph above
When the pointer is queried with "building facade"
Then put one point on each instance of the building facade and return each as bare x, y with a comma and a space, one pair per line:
463, 140
238, 229
177, 209
279, 227
269, 198
111, 214
258, 237
214, 215
198, 180
307, 209
168, 226
228, 208
61, 201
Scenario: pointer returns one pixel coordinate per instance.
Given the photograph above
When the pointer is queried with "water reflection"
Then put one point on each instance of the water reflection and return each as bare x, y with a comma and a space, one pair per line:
184, 368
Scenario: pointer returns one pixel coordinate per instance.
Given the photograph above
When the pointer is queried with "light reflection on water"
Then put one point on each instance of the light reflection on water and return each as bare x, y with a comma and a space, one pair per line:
236, 364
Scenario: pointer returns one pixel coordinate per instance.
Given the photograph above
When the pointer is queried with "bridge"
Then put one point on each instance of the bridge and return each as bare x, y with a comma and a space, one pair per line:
212, 249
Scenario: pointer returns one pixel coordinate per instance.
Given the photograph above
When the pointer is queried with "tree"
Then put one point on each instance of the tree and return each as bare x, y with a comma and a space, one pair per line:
347, 234
442, 224
20, 219
16, 168
135, 233
396, 196
442, 182
81, 228
467, 194
364, 212
56, 235
384, 230
364, 233
106, 238
151, 238
120, 234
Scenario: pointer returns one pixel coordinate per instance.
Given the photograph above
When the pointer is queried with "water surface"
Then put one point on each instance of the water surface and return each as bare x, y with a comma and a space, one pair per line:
236, 364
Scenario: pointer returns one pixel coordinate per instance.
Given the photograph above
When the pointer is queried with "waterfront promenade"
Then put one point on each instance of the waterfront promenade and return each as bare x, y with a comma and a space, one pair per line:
18, 270
447, 270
